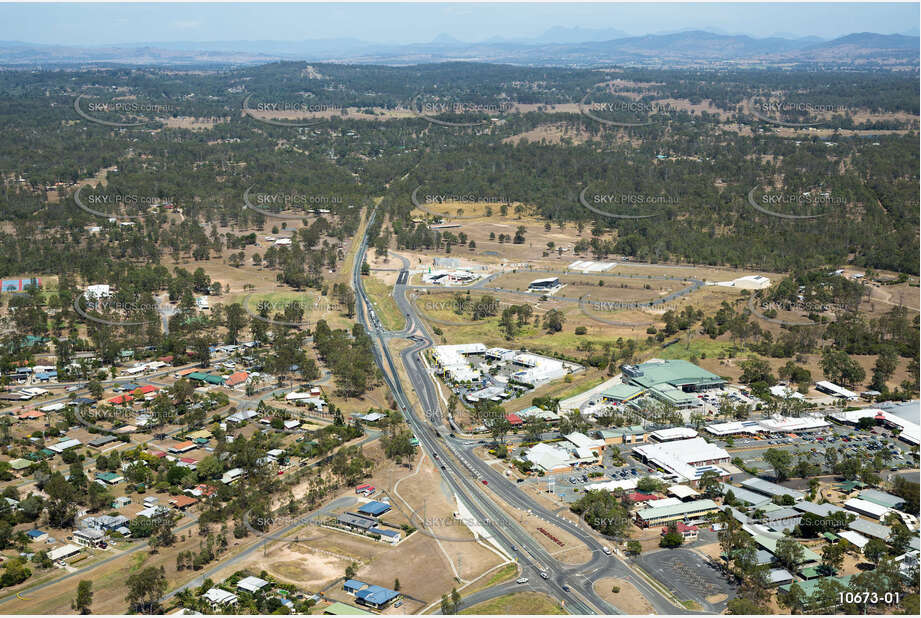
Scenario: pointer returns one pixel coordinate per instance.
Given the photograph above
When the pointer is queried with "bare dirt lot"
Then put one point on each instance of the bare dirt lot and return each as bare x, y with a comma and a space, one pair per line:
628, 599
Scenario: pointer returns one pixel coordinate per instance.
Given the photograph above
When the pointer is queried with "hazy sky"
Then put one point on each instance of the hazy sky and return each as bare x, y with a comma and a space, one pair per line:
96, 24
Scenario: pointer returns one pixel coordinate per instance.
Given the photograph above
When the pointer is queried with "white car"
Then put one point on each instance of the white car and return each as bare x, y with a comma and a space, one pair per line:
521, 580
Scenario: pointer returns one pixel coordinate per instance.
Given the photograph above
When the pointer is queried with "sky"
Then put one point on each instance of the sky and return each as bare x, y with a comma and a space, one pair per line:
129, 23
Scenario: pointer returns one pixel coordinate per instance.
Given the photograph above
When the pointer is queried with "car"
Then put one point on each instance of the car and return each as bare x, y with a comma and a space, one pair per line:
545, 574
565, 588
514, 548
398, 603
606, 550
71, 389
519, 480
485, 482
521, 580
443, 468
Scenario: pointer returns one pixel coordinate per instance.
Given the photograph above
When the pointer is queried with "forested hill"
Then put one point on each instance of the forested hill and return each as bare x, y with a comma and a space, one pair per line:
834, 155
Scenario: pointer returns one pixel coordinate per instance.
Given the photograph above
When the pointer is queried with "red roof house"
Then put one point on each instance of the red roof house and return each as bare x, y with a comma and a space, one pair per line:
183, 502
514, 419
237, 378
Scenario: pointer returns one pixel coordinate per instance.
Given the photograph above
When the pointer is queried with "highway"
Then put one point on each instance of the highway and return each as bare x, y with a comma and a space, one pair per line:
464, 473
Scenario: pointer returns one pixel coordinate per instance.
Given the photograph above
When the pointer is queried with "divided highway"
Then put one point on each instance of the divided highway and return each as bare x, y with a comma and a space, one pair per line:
464, 473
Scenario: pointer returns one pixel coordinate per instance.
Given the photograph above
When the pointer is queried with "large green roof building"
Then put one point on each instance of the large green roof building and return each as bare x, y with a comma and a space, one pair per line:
671, 381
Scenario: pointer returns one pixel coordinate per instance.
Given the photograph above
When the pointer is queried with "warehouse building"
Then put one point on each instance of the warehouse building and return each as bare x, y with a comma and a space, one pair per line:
771, 489
672, 381
830, 388
622, 393
544, 285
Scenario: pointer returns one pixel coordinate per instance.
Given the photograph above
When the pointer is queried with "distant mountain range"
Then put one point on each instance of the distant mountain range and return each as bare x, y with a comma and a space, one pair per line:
558, 46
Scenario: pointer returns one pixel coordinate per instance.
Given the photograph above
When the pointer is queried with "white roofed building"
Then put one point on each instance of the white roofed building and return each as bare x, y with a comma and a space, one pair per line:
673, 433
686, 459
910, 432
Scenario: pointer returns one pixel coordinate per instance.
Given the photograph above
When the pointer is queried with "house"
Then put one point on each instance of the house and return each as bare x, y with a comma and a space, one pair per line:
376, 597
64, 445
689, 533
120, 502
19, 464
182, 447
89, 537
109, 478
236, 379
183, 502
387, 535
514, 420
202, 490
231, 476
36, 535
31, 415
206, 378
220, 598
241, 416
252, 584
65, 551
101, 441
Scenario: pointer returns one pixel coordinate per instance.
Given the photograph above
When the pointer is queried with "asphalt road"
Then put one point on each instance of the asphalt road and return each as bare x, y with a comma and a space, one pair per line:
464, 473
